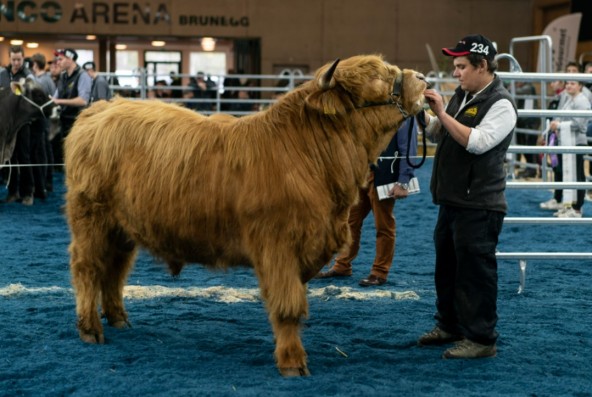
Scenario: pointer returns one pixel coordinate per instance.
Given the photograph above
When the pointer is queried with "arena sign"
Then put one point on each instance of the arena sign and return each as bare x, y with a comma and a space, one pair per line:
96, 12
119, 13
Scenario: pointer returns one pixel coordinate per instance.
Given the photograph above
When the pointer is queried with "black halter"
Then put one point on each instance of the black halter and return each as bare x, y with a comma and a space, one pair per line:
394, 97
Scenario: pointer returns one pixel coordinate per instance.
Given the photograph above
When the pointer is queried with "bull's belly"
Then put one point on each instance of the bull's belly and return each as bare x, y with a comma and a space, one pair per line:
218, 253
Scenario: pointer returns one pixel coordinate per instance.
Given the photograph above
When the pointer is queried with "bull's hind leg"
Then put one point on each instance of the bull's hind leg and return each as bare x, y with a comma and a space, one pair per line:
118, 264
99, 262
285, 298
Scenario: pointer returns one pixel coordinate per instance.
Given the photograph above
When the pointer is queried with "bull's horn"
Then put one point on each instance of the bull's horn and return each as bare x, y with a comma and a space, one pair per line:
328, 76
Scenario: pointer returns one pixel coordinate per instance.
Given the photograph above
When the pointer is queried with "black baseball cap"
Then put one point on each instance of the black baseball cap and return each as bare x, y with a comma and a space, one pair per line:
67, 52
476, 44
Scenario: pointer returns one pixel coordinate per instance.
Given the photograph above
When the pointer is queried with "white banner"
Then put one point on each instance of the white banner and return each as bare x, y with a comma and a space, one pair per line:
564, 33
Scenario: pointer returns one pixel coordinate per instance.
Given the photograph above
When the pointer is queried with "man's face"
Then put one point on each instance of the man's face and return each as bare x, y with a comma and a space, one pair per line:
468, 76
16, 60
64, 62
572, 69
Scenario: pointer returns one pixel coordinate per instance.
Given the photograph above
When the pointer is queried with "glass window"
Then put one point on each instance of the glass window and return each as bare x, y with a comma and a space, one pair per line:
162, 56
84, 56
212, 63
127, 63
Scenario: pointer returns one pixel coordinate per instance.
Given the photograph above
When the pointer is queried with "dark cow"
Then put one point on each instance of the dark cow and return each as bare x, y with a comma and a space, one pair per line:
25, 101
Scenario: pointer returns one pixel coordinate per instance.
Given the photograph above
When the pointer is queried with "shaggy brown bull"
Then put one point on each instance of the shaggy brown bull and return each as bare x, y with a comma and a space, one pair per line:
271, 190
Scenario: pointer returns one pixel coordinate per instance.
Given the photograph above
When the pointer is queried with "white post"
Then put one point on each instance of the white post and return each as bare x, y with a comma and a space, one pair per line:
567, 138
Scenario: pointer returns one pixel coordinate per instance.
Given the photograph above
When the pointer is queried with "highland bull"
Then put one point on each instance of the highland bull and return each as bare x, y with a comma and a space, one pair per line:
271, 190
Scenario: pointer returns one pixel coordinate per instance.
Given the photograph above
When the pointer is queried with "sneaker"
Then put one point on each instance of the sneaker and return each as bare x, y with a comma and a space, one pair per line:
438, 336
469, 349
561, 211
27, 200
551, 205
570, 213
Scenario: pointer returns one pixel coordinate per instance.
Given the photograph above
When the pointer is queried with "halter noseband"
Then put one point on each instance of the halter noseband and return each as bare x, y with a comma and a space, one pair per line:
394, 97
37, 106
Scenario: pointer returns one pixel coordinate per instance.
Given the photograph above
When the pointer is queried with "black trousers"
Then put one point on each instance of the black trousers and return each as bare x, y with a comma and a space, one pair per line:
466, 272
58, 141
21, 178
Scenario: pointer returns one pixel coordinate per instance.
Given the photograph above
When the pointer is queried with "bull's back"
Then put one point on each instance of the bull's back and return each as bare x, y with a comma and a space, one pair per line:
153, 170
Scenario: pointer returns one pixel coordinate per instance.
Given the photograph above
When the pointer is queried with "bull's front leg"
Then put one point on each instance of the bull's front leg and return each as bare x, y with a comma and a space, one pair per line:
285, 298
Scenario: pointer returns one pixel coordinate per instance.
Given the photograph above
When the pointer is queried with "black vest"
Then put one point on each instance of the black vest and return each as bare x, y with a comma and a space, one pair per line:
468, 180
68, 89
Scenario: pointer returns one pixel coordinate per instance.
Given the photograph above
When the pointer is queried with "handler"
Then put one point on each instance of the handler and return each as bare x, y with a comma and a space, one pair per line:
468, 182
388, 180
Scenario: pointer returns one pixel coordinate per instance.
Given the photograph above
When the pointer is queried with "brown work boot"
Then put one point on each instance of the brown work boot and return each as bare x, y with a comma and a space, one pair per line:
438, 336
469, 349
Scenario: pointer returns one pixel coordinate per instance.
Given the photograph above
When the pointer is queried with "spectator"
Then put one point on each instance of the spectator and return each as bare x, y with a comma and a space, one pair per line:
575, 100
231, 88
99, 89
42, 152
560, 102
54, 70
72, 94
388, 171
530, 123
21, 182
160, 90
204, 90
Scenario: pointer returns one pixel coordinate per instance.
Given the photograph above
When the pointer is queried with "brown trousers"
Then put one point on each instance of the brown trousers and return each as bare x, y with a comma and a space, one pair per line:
384, 221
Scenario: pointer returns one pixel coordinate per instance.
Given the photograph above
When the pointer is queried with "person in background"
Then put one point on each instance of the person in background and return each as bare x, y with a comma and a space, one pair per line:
202, 88
575, 100
160, 90
21, 183
42, 153
72, 94
588, 84
385, 172
54, 69
562, 97
468, 182
524, 88
99, 88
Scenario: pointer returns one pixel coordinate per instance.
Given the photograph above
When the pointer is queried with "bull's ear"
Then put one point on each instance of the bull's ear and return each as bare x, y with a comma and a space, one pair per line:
17, 87
328, 102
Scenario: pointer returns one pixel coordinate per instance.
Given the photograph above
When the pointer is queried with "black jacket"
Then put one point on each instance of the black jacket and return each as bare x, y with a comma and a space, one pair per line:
468, 180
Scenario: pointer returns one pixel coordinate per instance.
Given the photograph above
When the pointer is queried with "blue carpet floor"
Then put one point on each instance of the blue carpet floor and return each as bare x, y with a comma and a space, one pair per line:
206, 333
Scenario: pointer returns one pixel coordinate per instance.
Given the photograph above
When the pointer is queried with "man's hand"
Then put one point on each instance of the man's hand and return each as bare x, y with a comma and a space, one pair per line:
435, 100
397, 192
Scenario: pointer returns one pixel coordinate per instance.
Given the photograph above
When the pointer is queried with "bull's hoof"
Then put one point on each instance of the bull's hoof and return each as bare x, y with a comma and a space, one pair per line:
292, 372
121, 324
92, 338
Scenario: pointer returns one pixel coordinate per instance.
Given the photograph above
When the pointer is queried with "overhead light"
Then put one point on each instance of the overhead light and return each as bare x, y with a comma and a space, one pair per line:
120, 46
16, 42
1, 38
32, 45
208, 44
91, 37
158, 43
